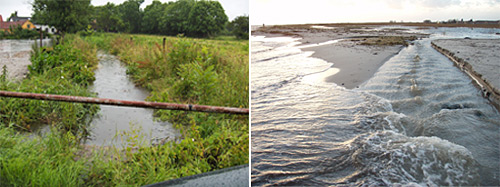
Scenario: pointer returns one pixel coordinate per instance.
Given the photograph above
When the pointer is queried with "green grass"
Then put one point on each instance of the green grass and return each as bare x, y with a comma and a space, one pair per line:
47, 161
65, 69
197, 71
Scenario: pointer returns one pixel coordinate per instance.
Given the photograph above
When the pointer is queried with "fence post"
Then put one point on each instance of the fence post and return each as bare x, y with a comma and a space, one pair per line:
164, 39
41, 36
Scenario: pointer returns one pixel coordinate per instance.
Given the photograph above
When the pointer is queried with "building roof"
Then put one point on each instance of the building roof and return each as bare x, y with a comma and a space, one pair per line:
7, 25
16, 18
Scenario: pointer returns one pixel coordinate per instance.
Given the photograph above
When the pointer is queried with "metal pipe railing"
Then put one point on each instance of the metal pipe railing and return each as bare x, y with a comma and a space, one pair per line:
116, 102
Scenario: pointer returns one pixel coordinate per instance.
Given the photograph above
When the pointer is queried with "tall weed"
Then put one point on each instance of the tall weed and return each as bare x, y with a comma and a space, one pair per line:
65, 69
196, 71
37, 161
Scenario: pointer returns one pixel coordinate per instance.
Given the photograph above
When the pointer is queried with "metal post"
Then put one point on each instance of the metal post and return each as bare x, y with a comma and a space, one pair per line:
116, 102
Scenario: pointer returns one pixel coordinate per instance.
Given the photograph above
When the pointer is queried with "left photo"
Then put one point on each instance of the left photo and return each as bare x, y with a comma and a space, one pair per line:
124, 93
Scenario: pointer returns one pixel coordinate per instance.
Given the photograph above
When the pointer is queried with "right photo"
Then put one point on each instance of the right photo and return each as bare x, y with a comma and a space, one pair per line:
375, 93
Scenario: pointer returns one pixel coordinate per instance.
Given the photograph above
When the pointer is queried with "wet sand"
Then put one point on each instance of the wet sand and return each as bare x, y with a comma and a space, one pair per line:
356, 62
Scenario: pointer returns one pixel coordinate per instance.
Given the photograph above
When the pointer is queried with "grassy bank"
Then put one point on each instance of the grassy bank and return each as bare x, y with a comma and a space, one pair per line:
212, 72
65, 69
195, 71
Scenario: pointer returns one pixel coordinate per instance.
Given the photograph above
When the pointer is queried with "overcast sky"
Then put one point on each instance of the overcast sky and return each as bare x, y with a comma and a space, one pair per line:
334, 11
233, 8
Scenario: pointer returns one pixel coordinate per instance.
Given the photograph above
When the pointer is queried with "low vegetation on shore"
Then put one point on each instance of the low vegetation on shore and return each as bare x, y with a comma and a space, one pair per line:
386, 40
196, 71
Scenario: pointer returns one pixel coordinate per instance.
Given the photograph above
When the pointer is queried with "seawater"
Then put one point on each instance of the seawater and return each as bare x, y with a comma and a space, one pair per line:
418, 121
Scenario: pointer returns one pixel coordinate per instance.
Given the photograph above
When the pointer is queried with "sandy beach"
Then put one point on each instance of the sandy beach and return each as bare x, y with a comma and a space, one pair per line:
359, 53
357, 63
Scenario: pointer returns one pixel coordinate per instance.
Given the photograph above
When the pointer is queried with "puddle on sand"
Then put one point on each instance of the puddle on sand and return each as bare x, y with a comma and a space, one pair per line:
110, 123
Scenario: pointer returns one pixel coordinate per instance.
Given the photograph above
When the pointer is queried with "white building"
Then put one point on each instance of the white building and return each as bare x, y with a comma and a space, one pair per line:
46, 28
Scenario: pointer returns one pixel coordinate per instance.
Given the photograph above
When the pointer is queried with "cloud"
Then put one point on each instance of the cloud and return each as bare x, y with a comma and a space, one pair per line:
395, 4
402, 4
439, 3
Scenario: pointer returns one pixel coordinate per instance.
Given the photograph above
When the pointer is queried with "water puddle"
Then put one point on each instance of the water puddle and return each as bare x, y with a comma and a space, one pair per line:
120, 126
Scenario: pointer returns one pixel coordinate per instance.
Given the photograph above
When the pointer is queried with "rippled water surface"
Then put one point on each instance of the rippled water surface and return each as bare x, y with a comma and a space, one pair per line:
112, 124
419, 120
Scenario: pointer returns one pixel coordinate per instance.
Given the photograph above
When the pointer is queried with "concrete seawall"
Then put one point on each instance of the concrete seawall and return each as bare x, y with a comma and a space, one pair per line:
478, 58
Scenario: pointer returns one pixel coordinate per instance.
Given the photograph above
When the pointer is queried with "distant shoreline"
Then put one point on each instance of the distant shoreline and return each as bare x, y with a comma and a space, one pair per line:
363, 49
417, 24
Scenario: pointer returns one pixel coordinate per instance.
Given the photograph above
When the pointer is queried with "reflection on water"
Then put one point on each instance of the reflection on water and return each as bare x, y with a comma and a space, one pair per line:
415, 122
112, 82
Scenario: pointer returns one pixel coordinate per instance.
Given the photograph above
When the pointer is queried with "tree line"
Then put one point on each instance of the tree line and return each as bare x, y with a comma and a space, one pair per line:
194, 18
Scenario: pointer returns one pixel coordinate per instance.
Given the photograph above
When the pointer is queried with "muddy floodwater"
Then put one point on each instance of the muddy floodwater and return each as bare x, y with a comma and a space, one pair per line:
15, 56
418, 121
114, 125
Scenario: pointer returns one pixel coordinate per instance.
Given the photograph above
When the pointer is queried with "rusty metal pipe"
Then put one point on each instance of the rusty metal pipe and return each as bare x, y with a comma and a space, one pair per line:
116, 102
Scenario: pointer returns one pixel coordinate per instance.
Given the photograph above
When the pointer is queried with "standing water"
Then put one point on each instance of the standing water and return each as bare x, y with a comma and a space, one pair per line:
419, 120
115, 125
15, 56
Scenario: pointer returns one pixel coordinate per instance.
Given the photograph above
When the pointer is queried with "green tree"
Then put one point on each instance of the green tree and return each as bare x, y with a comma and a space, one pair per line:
175, 17
239, 27
206, 19
107, 18
12, 16
152, 16
66, 16
131, 15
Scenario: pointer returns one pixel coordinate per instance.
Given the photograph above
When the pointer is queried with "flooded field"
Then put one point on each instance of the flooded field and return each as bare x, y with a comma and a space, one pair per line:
15, 55
114, 125
418, 120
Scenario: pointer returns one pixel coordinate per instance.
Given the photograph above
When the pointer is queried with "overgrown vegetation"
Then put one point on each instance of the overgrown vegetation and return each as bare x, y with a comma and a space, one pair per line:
20, 33
213, 72
210, 72
386, 40
239, 27
63, 70
48, 161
